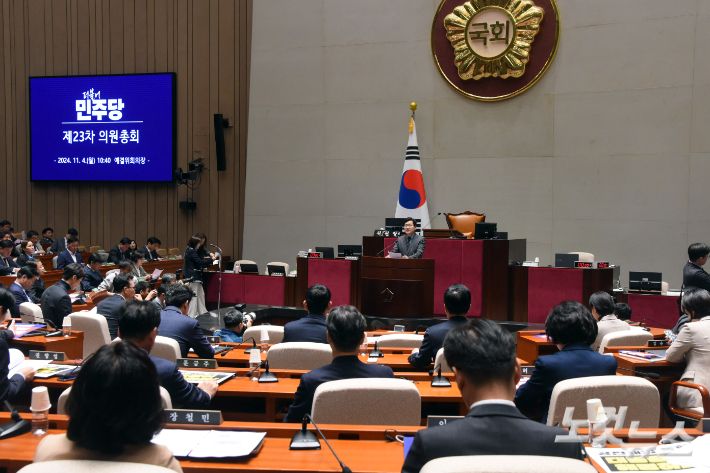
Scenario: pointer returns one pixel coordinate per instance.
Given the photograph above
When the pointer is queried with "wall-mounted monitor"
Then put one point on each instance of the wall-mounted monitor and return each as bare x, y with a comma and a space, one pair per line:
103, 128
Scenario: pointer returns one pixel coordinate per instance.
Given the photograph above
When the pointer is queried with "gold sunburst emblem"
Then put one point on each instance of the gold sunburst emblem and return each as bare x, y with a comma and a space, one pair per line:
492, 37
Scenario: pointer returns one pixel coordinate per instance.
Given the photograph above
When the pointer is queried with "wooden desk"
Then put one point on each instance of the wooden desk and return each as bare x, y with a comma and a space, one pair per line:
363, 455
73, 346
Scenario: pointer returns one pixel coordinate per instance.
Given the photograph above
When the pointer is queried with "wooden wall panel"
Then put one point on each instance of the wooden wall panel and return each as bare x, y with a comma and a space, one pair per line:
206, 43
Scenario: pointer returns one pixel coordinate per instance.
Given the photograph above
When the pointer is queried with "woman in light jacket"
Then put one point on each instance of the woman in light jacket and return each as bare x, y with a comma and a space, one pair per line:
693, 344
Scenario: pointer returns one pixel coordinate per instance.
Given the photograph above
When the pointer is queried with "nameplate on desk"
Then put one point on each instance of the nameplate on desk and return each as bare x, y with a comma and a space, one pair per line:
433, 421
657, 343
532, 264
47, 355
315, 255
196, 363
527, 370
214, 339
189, 416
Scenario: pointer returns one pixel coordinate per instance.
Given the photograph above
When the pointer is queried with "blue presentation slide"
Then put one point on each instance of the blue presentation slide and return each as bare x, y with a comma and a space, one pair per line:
102, 128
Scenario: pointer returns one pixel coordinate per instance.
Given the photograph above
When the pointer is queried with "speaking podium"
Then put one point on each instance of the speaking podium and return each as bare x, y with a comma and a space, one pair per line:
397, 288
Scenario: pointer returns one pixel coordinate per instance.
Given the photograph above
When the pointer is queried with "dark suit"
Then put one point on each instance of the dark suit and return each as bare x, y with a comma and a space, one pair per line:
186, 331
65, 258
433, 341
59, 246
7, 265
20, 297
55, 303
46, 242
150, 255
183, 395
695, 276
488, 429
342, 367
92, 279
109, 308
415, 249
310, 328
576, 360
23, 259
193, 265
36, 290
116, 255
8, 387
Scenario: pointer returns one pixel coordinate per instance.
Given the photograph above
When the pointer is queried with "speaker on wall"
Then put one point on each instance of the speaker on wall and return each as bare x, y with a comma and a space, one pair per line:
219, 124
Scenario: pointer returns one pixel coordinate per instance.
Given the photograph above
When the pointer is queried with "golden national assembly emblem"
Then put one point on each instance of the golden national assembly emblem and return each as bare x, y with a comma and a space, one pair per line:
494, 49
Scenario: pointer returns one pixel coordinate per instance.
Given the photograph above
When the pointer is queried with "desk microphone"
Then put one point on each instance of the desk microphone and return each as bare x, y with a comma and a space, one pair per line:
645, 375
224, 352
70, 375
416, 332
267, 376
376, 353
440, 381
383, 250
430, 220
307, 440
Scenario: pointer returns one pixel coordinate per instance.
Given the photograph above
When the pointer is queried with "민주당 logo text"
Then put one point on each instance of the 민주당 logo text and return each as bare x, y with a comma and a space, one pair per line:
92, 105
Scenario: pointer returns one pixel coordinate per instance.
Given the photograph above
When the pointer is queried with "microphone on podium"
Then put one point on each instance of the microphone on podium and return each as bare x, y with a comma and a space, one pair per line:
430, 220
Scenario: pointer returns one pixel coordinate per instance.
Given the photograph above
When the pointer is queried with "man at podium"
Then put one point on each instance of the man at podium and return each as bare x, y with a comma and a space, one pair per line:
410, 245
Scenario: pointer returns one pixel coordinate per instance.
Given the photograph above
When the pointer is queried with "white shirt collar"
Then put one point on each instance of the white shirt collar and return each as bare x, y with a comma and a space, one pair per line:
493, 401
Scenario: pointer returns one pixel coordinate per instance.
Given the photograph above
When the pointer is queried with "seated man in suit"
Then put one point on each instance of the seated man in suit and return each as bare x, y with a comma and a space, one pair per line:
9, 387
119, 252
159, 301
409, 245
175, 324
55, 302
147, 294
346, 332
60, 244
151, 249
623, 312
37, 288
8, 266
124, 290
93, 277
25, 278
457, 303
311, 328
602, 306
138, 323
482, 356
70, 255
693, 273
8, 236
234, 325
47, 239
125, 266
572, 328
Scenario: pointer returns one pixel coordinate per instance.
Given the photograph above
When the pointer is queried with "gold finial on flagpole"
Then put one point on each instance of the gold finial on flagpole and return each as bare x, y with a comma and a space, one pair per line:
413, 106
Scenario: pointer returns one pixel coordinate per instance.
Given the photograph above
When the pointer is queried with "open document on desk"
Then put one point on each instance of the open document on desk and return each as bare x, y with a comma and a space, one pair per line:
210, 443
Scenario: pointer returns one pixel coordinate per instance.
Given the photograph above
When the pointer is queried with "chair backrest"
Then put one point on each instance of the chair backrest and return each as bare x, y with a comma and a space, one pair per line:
94, 248
174, 251
62, 401
506, 464
299, 356
81, 248
664, 288
625, 338
166, 348
276, 333
162, 252
30, 313
464, 222
95, 330
404, 340
369, 401
640, 397
440, 358
276, 263
54, 262
103, 255
17, 235
583, 256
92, 466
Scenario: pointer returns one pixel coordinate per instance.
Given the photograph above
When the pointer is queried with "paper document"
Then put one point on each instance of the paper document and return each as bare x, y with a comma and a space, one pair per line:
36, 364
156, 274
671, 457
21, 329
209, 443
196, 377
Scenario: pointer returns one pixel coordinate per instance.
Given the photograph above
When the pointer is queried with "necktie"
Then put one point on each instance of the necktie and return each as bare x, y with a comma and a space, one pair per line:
409, 240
